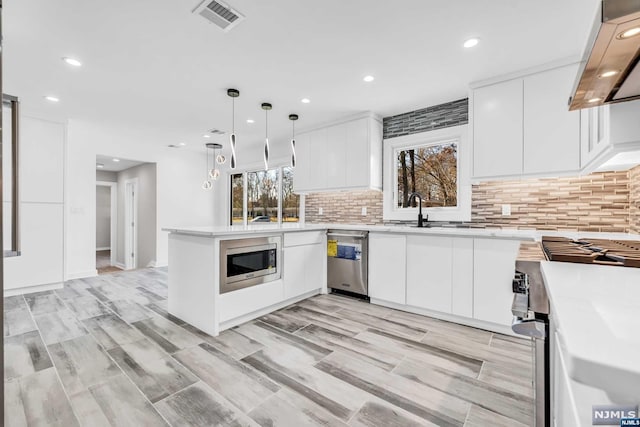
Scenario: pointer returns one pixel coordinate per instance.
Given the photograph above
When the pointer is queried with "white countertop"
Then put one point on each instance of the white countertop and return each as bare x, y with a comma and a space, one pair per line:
434, 231
597, 311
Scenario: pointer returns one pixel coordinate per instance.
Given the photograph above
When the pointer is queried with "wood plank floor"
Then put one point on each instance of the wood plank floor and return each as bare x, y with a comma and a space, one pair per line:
104, 351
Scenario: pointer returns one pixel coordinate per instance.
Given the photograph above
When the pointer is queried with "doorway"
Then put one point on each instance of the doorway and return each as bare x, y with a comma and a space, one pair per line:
106, 226
131, 223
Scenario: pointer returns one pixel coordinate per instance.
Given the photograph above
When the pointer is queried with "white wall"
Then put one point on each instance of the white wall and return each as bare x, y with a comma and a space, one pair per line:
180, 198
103, 217
106, 176
147, 209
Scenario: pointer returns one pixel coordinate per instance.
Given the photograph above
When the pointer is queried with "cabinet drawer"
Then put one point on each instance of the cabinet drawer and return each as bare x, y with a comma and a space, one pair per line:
303, 238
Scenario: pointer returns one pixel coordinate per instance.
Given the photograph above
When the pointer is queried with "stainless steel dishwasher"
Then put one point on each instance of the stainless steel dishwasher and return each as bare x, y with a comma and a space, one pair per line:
347, 264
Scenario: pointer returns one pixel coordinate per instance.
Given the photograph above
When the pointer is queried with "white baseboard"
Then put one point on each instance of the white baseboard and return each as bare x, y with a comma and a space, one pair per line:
474, 323
120, 265
81, 274
31, 289
162, 263
106, 248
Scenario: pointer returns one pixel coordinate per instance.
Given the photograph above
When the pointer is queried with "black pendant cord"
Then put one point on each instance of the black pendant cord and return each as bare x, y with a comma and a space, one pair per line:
233, 115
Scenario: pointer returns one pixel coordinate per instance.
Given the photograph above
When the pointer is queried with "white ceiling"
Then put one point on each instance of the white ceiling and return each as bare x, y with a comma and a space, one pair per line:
111, 166
155, 65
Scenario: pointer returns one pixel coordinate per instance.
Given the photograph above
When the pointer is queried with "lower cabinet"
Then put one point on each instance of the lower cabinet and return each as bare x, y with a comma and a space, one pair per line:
461, 276
304, 269
387, 267
429, 272
493, 267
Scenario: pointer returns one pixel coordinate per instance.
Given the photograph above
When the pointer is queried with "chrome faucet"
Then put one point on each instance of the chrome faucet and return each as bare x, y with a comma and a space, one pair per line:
412, 197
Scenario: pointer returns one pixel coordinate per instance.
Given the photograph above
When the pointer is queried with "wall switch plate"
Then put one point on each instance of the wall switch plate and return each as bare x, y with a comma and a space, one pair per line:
506, 210
364, 211
320, 211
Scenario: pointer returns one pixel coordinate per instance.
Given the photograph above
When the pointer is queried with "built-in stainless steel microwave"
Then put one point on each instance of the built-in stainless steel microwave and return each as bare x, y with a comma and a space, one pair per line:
249, 262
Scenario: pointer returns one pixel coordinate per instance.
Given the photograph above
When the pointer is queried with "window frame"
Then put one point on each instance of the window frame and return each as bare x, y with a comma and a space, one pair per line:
245, 204
392, 146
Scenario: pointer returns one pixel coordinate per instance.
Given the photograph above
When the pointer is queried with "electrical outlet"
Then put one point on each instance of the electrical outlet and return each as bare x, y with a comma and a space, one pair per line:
320, 211
506, 210
364, 211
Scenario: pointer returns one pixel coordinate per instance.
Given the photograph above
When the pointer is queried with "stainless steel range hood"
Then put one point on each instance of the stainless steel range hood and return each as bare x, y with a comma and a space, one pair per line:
610, 70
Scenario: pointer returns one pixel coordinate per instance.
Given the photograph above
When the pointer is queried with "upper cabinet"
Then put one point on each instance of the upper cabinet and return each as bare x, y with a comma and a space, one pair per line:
342, 156
611, 137
523, 126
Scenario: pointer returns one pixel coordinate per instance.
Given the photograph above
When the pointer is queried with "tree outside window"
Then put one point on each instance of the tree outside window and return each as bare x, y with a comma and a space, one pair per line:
432, 171
266, 192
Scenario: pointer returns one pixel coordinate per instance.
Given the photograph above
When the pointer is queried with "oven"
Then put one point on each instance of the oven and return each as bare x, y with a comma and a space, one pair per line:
532, 318
249, 262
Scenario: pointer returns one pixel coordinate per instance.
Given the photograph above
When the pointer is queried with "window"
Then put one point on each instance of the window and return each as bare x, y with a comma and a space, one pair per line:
264, 197
436, 165
431, 171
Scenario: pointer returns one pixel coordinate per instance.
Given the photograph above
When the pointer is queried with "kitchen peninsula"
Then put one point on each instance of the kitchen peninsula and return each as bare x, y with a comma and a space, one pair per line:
457, 270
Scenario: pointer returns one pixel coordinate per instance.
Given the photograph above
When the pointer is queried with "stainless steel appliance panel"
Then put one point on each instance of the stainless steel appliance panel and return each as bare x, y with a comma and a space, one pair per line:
350, 273
249, 262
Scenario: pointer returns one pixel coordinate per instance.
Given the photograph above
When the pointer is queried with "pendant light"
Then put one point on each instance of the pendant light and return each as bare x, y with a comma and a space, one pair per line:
266, 107
233, 93
213, 173
293, 118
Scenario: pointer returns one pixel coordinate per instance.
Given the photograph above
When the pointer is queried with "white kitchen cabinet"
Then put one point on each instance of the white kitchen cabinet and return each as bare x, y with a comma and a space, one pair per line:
462, 277
302, 176
342, 156
493, 268
304, 257
564, 404
611, 137
551, 131
40, 262
522, 126
497, 129
429, 272
387, 267
41, 160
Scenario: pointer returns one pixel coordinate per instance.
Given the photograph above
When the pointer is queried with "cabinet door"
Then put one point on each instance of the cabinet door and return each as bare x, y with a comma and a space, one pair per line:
317, 155
497, 129
494, 263
429, 272
301, 174
462, 277
358, 156
41, 160
387, 267
335, 156
551, 131
303, 269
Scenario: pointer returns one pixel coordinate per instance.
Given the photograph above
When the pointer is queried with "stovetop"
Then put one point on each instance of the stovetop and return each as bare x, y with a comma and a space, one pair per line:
623, 253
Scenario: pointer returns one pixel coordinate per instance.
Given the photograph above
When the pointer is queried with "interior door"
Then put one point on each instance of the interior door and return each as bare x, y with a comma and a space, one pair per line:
131, 224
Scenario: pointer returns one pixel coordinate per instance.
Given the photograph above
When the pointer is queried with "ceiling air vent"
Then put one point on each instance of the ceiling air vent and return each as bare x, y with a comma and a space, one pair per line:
216, 132
221, 14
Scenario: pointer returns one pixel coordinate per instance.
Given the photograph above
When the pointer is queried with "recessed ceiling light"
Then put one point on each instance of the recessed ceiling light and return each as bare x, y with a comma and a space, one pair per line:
116, 160
471, 42
51, 98
305, 100
593, 100
608, 74
250, 121
182, 144
629, 33
72, 61
99, 165
368, 79
206, 136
